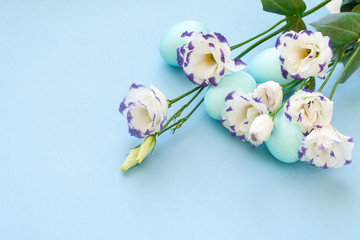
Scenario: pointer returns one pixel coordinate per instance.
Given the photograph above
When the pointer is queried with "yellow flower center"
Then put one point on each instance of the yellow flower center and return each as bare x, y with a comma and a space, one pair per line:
306, 53
209, 58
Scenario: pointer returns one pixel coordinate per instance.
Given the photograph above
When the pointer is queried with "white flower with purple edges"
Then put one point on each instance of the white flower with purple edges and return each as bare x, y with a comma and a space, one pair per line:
145, 110
325, 147
269, 93
309, 109
240, 112
260, 129
206, 58
304, 54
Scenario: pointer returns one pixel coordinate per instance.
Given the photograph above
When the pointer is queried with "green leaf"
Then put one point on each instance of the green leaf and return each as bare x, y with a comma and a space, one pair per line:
343, 28
352, 68
284, 7
356, 9
298, 24
347, 5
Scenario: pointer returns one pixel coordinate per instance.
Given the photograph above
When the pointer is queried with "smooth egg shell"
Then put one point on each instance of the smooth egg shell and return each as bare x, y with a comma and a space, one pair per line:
172, 40
285, 139
215, 96
266, 66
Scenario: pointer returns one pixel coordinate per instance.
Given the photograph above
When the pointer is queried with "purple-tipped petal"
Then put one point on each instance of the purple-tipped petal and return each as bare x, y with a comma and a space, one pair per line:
122, 106
347, 162
321, 66
238, 62
229, 96
222, 57
207, 36
135, 132
287, 116
221, 73
190, 46
220, 37
278, 42
296, 76
308, 32
325, 166
186, 34
212, 80
284, 72
287, 105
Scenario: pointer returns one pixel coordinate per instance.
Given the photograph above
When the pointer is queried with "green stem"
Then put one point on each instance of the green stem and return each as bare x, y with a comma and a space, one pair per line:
283, 104
292, 87
315, 8
193, 110
181, 109
289, 83
257, 36
182, 96
352, 58
332, 70
181, 121
341, 58
264, 39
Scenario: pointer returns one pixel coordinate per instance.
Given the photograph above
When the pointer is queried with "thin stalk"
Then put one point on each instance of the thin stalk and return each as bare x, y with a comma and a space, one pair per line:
341, 58
289, 83
257, 36
332, 70
177, 113
352, 58
182, 96
292, 87
283, 104
264, 39
181, 121
315, 8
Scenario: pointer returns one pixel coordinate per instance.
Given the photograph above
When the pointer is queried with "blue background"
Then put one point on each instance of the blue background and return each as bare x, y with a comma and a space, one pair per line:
64, 68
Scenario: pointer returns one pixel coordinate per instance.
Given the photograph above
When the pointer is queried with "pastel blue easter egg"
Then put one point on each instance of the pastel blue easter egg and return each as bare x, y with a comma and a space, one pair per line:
266, 66
285, 139
215, 96
172, 40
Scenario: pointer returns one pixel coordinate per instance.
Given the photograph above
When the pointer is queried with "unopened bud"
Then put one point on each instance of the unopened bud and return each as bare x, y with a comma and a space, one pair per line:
145, 148
137, 154
130, 161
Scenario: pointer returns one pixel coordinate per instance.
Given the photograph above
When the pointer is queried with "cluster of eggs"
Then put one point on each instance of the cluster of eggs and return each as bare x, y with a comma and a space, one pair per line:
285, 139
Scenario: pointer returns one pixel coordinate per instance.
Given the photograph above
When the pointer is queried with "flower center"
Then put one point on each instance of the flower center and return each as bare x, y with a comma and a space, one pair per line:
209, 58
306, 53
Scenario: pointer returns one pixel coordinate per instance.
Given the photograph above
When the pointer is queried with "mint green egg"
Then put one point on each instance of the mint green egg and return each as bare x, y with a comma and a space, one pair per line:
172, 40
266, 66
285, 139
215, 96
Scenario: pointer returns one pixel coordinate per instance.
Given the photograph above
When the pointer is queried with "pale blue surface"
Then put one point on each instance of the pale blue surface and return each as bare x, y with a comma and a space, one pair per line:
171, 40
214, 100
64, 68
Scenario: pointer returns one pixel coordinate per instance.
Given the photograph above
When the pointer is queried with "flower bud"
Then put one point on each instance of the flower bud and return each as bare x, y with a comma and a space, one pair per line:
145, 148
130, 161
260, 129
138, 154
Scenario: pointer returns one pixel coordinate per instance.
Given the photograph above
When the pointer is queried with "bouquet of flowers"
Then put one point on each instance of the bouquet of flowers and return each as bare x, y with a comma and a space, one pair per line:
275, 102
